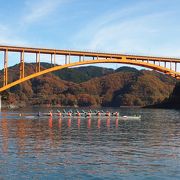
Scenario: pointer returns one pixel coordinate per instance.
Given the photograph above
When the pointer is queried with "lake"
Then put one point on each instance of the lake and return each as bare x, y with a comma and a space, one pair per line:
51, 148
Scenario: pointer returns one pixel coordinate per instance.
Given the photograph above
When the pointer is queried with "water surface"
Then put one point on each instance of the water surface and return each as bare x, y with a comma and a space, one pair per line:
50, 148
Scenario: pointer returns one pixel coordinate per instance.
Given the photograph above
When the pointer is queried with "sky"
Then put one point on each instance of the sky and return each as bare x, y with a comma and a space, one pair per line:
143, 27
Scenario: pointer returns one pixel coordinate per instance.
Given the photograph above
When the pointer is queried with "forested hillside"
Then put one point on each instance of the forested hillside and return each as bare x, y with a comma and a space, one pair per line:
172, 102
89, 86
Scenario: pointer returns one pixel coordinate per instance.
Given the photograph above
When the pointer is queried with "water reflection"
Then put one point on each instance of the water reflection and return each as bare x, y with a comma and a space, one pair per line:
108, 123
5, 133
60, 123
89, 123
21, 134
79, 123
69, 122
117, 122
99, 123
50, 122
96, 147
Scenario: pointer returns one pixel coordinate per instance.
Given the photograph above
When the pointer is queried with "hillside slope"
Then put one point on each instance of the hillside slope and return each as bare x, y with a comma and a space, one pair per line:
172, 102
105, 87
127, 88
80, 74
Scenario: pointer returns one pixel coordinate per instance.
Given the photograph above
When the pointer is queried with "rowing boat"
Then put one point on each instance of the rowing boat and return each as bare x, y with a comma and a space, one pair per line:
55, 116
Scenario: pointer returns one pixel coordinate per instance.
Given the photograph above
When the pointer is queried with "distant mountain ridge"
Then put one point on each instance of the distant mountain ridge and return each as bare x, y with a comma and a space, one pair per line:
80, 74
89, 86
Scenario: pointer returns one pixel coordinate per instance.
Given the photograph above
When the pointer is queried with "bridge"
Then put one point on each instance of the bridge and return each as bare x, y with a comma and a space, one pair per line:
71, 58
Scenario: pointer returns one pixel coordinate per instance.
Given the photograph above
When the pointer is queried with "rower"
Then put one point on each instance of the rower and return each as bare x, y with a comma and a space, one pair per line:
99, 114
107, 113
39, 114
50, 114
59, 113
116, 114
78, 113
69, 113
89, 114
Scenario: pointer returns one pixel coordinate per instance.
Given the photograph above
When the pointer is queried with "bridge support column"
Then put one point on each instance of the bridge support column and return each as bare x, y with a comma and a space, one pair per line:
51, 59
170, 66
54, 59
38, 62
22, 65
69, 60
65, 59
5, 67
0, 103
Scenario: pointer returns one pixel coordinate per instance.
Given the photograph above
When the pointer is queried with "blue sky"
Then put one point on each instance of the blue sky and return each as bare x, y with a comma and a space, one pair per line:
145, 27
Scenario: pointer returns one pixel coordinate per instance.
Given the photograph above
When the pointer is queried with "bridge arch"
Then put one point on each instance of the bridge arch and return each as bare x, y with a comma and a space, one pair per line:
86, 62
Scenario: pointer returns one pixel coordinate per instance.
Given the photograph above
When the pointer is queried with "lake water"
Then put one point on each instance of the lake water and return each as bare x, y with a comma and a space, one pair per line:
91, 148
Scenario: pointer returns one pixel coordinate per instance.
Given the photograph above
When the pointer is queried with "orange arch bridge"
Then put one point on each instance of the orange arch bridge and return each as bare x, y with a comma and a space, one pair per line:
75, 58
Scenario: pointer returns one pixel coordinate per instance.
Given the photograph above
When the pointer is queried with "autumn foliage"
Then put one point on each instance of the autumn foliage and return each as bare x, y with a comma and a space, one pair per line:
99, 87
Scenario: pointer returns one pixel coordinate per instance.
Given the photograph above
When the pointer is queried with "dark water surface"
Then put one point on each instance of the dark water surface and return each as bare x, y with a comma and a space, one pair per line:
91, 148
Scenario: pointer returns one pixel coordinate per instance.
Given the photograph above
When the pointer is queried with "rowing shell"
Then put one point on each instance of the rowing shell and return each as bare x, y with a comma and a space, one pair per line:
117, 117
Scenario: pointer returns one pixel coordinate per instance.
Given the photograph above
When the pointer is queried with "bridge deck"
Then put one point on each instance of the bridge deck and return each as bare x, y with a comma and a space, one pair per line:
87, 54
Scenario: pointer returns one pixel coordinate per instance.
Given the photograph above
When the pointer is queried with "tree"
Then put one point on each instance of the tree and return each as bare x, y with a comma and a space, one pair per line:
86, 100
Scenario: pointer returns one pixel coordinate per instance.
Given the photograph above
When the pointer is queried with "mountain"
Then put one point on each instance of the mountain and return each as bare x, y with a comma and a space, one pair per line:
126, 69
127, 88
172, 102
89, 86
80, 74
